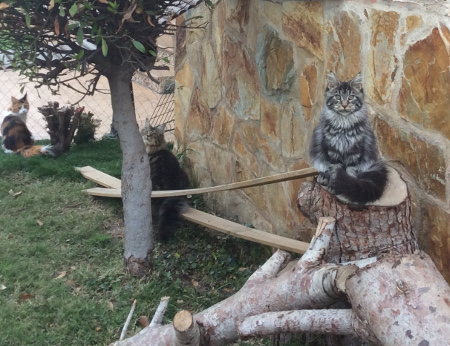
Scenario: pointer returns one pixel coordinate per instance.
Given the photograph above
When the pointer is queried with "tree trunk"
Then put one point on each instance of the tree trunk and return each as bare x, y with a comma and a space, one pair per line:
136, 182
363, 231
398, 300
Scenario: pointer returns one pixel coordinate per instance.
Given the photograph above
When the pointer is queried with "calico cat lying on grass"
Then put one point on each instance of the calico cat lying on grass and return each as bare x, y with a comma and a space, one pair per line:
16, 137
166, 174
343, 146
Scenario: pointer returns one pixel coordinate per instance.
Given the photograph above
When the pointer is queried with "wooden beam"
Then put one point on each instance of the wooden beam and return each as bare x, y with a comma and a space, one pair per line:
205, 219
99, 177
116, 193
240, 231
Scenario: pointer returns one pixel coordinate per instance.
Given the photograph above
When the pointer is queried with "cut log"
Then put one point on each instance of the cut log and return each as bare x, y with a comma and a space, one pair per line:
363, 231
186, 329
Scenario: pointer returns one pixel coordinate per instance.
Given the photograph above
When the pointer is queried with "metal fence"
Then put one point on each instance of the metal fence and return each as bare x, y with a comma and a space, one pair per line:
146, 102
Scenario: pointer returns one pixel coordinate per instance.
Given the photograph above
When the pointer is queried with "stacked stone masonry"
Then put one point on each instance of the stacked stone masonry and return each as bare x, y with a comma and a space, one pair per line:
250, 88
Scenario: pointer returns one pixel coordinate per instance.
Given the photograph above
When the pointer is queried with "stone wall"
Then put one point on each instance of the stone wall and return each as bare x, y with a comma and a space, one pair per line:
250, 88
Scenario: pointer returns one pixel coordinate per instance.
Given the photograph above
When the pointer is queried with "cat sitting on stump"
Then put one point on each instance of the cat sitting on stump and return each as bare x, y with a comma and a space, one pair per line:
166, 174
343, 146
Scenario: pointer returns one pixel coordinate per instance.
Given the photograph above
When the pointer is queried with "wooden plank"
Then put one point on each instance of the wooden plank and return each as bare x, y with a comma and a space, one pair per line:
302, 173
205, 219
104, 192
240, 231
99, 177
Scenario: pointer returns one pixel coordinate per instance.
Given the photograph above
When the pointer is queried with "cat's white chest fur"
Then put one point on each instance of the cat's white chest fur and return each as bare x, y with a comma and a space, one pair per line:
22, 114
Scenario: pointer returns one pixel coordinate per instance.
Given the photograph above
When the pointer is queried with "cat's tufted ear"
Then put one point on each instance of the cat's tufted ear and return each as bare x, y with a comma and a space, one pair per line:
357, 82
14, 100
147, 123
161, 128
24, 98
332, 81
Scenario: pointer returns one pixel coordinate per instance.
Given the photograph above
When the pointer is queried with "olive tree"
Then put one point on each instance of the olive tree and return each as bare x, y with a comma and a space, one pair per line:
54, 42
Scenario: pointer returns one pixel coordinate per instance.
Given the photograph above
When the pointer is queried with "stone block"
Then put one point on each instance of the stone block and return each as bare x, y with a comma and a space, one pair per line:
197, 165
275, 62
222, 127
246, 158
211, 81
303, 23
381, 60
237, 14
270, 119
294, 132
220, 159
217, 29
344, 44
180, 42
240, 80
263, 149
272, 11
308, 89
424, 160
198, 121
434, 237
424, 97
184, 84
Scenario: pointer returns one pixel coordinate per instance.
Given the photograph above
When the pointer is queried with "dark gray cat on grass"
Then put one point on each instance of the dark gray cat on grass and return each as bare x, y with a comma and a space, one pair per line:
166, 174
343, 146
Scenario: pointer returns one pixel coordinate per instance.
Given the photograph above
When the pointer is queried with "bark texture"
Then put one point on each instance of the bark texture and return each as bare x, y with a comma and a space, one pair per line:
403, 299
136, 183
361, 231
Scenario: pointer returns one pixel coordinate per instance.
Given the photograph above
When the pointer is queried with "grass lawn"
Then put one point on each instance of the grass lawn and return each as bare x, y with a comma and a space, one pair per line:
62, 279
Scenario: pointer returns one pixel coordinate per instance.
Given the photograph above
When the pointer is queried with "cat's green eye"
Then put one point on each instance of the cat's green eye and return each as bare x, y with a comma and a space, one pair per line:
338, 97
351, 97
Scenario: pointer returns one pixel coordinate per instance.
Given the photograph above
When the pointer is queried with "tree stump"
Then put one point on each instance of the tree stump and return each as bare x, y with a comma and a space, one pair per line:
61, 124
363, 231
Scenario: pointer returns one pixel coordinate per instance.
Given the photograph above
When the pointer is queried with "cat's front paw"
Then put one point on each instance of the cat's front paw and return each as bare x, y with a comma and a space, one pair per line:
323, 178
334, 186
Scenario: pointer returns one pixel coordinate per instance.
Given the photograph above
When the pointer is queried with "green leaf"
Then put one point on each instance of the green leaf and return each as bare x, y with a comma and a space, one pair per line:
104, 47
72, 26
80, 36
152, 52
27, 19
73, 9
87, 5
80, 54
62, 11
139, 46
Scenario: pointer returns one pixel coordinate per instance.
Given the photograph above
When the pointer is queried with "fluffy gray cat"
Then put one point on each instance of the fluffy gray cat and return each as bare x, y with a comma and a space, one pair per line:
343, 146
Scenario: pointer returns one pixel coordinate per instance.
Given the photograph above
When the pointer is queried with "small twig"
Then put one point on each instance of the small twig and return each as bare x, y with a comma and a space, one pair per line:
127, 322
159, 313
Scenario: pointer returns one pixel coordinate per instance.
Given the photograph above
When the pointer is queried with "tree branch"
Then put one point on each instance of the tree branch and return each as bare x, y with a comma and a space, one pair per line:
339, 322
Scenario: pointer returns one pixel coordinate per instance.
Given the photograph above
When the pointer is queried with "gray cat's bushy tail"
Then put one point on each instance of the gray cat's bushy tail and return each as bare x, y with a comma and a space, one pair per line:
368, 186
170, 216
